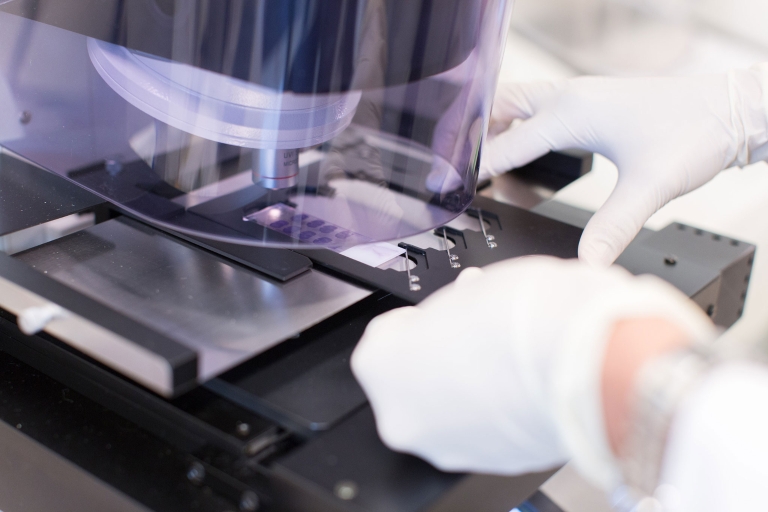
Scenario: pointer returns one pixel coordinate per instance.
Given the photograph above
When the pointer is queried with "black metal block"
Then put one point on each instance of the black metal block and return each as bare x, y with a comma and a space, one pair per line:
30, 196
555, 170
349, 469
711, 269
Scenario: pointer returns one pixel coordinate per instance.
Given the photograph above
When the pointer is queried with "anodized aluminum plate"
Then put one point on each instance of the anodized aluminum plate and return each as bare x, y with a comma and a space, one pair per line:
224, 312
30, 196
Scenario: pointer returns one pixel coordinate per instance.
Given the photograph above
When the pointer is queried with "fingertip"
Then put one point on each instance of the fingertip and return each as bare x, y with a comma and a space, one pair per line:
468, 275
597, 253
607, 234
618, 221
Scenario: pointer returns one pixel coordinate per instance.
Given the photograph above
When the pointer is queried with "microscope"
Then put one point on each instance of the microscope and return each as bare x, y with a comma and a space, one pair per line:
263, 177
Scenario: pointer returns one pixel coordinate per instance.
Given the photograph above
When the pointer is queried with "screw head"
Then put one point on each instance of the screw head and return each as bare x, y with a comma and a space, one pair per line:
113, 167
490, 238
670, 260
242, 429
196, 473
415, 279
455, 265
249, 502
415, 287
346, 490
493, 245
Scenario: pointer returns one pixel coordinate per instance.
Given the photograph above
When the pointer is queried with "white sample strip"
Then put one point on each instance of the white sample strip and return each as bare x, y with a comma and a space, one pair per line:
373, 255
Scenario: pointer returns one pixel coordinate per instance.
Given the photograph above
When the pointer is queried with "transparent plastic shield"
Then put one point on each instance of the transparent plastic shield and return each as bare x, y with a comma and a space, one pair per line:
298, 123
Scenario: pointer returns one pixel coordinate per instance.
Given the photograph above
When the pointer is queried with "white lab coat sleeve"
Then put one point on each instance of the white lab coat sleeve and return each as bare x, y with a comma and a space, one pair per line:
717, 453
755, 130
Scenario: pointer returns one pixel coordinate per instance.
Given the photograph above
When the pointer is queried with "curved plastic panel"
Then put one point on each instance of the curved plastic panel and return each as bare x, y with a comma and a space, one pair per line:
304, 46
200, 152
219, 108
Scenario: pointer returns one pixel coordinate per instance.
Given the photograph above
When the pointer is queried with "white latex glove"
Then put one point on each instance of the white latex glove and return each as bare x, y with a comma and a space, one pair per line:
668, 136
500, 371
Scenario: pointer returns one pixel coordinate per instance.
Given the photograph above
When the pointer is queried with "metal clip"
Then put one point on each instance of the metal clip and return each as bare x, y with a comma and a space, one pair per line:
412, 280
489, 239
452, 258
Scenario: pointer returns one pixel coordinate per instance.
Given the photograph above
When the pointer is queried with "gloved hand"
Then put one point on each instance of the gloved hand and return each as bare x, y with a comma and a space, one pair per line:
500, 371
668, 136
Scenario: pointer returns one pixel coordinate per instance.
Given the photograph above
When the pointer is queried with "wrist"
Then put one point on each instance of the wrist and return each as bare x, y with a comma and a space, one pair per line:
634, 342
660, 387
580, 362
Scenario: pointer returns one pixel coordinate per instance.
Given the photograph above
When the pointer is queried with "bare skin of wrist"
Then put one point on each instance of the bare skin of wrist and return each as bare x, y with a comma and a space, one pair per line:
633, 343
